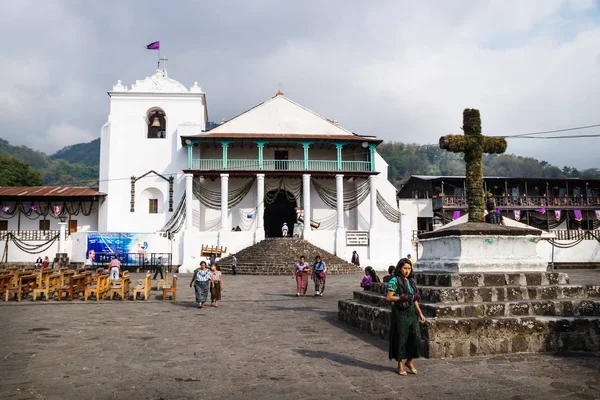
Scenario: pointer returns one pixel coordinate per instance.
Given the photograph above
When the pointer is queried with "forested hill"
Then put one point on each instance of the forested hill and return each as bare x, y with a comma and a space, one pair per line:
413, 159
77, 165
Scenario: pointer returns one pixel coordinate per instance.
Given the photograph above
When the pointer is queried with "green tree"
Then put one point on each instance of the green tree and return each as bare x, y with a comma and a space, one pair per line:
16, 173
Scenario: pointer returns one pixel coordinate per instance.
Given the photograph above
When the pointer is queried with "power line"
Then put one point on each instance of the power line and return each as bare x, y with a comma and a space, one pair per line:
553, 137
556, 130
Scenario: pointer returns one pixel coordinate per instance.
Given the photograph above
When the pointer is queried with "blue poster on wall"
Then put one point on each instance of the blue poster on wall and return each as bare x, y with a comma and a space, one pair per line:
117, 243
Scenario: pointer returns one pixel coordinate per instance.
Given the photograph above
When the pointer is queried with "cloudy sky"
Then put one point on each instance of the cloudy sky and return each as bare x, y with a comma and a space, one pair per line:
400, 70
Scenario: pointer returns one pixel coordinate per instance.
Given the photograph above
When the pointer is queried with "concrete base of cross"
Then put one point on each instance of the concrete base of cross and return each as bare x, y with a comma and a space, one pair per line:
478, 247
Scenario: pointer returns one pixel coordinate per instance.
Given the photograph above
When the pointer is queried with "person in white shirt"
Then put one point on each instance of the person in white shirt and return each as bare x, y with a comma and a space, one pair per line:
284, 230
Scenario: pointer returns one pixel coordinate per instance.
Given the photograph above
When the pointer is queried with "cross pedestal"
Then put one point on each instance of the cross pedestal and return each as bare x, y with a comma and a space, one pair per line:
480, 248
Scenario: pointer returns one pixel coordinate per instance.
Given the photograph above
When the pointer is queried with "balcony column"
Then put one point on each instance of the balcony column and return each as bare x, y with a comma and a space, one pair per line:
190, 149
339, 147
373, 193
261, 148
224, 202
306, 205
372, 155
189, 197
260, 208
340, 232
225, 145
306, 145
62, 233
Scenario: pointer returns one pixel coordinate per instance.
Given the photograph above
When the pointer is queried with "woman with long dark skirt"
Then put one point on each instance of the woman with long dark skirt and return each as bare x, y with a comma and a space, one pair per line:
405, 331
201, 282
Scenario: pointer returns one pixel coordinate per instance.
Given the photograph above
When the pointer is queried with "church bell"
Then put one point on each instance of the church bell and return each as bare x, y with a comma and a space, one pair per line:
156, 122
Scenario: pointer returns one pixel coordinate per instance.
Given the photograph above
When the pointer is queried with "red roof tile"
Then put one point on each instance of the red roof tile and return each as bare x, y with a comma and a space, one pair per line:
48, 191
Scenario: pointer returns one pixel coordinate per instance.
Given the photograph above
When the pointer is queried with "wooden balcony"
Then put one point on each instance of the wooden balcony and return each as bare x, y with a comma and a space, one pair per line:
522, 203
30, 235
279, 165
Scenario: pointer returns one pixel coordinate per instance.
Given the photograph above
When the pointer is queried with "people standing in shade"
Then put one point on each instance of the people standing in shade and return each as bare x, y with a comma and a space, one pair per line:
39, 262
390, 274
212, 259
201, 282
369, 278
355, 259
216, 285
114, 267
300, 272
46, 262
405, 331
284, 230
233, 264
319, 275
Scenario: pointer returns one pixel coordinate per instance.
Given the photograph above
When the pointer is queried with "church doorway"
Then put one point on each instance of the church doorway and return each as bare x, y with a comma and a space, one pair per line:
282, 209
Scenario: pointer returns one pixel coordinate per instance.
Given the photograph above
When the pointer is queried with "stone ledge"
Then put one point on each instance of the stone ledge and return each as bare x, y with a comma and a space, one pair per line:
480, 229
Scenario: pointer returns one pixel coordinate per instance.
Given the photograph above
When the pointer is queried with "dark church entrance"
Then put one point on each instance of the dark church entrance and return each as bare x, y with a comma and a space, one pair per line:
283, 209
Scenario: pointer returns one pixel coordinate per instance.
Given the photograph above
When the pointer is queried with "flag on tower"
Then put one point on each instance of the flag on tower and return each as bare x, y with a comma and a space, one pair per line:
153, 46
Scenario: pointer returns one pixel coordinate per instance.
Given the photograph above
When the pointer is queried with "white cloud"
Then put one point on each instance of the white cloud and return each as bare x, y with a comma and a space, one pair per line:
59, 135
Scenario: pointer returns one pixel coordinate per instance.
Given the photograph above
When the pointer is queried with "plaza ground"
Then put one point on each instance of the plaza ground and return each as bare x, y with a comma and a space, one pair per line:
261, 343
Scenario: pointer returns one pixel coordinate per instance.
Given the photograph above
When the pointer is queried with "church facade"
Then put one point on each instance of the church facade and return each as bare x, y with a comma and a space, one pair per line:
238, 183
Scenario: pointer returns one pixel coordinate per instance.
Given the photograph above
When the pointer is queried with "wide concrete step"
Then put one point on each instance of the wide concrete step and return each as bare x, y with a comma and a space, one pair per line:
457, 337
490, 279
266, 270
562, 307
507, 293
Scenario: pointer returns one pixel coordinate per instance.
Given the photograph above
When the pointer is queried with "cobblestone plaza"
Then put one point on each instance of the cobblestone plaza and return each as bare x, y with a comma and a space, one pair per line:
262, 342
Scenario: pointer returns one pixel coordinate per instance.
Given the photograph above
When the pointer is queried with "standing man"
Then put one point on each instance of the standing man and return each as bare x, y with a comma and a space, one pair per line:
158, 268
115, 268
284, 230
212, 260
233, 264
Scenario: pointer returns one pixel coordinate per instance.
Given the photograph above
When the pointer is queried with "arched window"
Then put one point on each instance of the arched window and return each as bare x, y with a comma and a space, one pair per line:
157, 124
151, 200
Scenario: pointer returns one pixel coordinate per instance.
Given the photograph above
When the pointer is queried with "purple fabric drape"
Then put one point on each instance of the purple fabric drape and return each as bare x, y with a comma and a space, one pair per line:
456, 215
557, 214
517, 215
541, 210
578, 216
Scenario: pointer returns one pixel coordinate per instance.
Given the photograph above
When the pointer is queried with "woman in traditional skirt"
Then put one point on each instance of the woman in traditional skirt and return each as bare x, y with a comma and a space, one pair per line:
216, 285
201, 282
405, 331
300, 272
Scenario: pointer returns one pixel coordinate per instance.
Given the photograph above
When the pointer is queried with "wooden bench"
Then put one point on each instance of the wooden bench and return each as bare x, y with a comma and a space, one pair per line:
6, 282
171, 289
100, 289
74, 286
25, 285
163, 282
207, 251
143, 287
121, 287
50, 285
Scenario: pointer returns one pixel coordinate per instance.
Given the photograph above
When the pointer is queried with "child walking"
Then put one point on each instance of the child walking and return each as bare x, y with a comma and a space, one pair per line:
216, 285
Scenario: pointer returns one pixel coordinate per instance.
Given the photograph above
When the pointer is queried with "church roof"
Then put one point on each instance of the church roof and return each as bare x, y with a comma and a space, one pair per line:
280, 118
157, 83
47, 191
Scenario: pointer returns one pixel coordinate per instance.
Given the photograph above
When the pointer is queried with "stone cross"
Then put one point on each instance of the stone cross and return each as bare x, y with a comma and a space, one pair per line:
473, 144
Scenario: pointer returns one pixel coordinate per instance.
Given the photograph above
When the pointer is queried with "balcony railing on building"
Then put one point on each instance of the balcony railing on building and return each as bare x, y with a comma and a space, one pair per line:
520, 202
30, 235
283, 165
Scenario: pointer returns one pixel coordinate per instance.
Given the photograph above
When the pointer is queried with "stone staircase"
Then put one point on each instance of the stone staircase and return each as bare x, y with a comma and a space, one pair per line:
277, 256
481, 314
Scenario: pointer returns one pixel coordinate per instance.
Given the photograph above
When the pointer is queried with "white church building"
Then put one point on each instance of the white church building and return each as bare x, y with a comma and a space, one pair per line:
169, 178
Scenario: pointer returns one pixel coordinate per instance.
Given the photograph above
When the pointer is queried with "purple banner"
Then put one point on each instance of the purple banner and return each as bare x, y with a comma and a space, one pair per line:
32, 207
597, 214
541, 210
58, 210
557, 214
578, 216
456, 215
499, 210
5, 209
153, 46
517, 215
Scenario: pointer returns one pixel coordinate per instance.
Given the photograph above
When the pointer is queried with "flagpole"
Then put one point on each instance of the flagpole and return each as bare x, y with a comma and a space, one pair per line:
158, 61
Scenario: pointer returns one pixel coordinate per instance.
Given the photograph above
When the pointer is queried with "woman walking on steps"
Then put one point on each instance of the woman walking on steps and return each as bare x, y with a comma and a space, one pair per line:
201, 282
405, 331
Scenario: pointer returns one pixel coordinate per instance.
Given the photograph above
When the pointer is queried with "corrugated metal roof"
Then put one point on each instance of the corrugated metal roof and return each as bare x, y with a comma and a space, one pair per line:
293, 136
48, 191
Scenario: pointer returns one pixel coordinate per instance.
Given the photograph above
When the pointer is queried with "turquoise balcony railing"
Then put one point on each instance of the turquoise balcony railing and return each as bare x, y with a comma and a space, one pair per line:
275, 165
